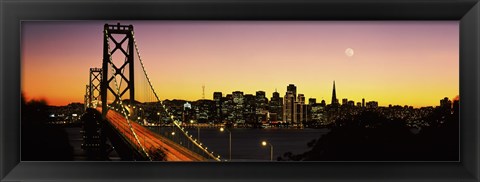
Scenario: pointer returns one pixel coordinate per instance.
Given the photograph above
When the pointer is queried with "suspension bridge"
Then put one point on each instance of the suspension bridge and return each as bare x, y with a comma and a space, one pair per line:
122, 119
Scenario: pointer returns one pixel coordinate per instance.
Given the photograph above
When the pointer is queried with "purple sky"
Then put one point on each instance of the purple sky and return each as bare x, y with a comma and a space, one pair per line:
395, 62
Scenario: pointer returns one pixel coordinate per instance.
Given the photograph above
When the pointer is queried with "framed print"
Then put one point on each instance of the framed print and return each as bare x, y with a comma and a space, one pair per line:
270, 90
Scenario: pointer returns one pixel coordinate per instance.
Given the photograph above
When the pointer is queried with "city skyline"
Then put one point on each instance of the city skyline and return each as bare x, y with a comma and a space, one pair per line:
318, 100
398, 63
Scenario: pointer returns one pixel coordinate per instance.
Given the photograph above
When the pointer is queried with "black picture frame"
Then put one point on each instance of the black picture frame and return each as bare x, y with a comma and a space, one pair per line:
13, 12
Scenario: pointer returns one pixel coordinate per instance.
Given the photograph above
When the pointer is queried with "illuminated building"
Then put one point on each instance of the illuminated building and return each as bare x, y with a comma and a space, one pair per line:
249, 111
288, 107
300, 110
217, 97
292, 88
275, 107
261, 104
238, 105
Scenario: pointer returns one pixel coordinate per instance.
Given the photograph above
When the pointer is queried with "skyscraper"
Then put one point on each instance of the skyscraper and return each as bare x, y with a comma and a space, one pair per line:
292, 88
261, 105
334, 95
293, 106
288, 107
275, 107
249, 109
228, 108
217, 97
289, 104
237, 97
299, 110
260, 94
238, 102
275, 94
261, 100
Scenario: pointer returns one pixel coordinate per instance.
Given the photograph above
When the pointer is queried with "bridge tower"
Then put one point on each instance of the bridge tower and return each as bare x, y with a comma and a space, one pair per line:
128, 52
94, 86
86, 102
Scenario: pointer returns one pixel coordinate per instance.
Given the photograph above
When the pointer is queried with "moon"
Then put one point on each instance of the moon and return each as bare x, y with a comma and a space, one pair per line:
349, 52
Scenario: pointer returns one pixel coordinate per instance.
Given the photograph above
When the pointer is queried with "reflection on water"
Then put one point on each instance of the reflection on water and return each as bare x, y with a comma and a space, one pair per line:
246, 142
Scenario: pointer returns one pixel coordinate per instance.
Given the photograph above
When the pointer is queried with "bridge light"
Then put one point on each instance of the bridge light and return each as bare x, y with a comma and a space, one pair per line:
173, 133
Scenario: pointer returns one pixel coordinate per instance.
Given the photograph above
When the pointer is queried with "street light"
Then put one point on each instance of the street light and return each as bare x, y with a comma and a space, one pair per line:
264, 143
229, 143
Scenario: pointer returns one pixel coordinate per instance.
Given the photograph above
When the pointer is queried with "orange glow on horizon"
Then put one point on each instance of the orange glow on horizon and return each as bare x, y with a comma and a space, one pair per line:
411, 63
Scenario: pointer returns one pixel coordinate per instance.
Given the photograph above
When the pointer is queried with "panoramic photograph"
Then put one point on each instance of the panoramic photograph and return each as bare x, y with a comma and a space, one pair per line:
240, 91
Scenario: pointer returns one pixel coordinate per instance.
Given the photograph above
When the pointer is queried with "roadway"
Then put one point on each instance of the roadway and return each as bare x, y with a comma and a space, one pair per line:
150, 140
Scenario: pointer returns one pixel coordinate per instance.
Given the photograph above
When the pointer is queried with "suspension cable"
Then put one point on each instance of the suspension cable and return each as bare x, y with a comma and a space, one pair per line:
175, 122
120, 100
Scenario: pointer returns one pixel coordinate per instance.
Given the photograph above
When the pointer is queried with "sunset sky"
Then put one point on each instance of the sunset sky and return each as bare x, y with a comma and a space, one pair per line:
397, 62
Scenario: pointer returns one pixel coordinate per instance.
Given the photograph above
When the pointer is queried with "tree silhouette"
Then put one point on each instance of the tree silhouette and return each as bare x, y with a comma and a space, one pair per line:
40, 141
370, 136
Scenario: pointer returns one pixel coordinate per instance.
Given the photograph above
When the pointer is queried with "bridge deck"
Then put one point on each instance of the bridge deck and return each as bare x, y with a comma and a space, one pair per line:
151, 140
